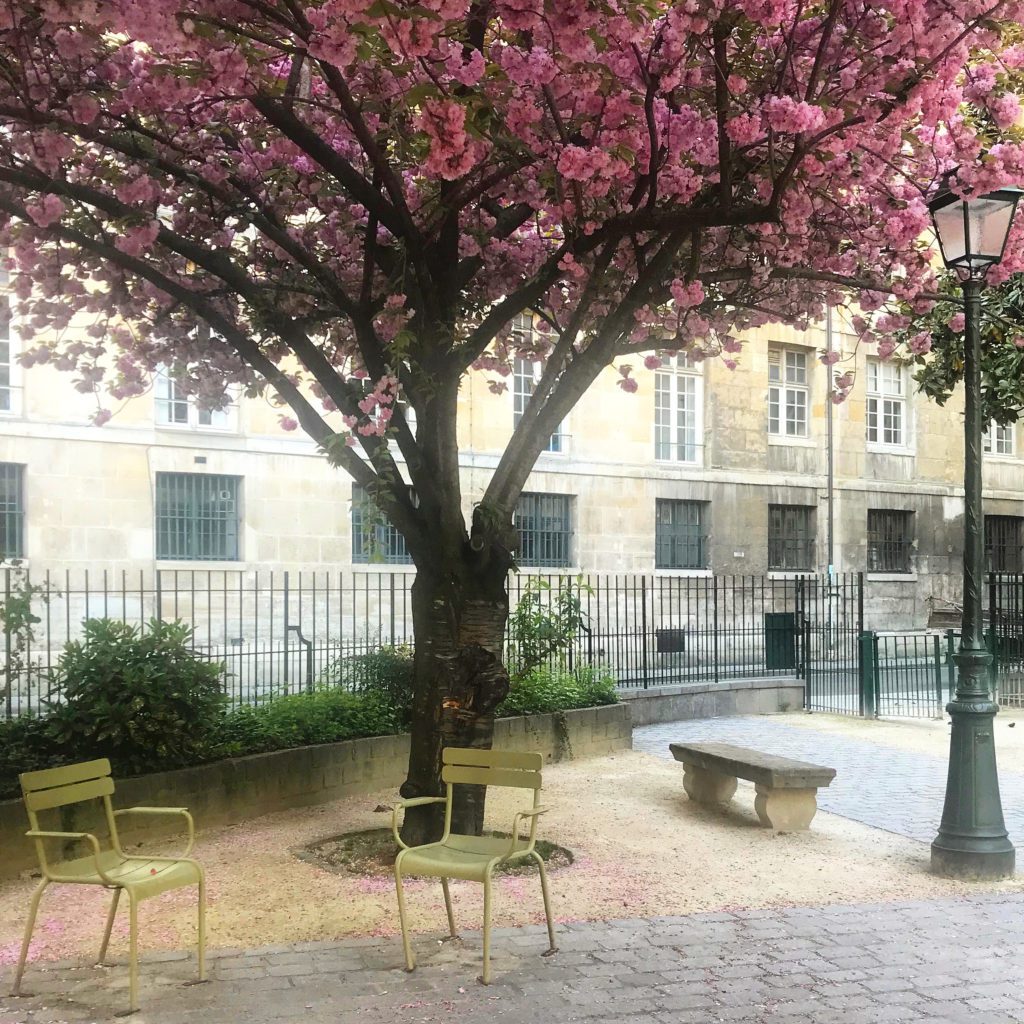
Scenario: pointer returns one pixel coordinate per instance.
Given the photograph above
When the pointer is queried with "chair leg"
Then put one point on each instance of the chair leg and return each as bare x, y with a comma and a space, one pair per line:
202, 928
448, 907
109, 927
552, 948
29, 926
133, 953
486, 978
410, 963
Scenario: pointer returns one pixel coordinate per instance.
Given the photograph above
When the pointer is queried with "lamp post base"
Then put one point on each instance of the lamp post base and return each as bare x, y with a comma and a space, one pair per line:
972, 842
972, 864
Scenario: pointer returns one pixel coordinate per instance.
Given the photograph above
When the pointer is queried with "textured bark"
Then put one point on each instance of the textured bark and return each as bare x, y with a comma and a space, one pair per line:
459, 618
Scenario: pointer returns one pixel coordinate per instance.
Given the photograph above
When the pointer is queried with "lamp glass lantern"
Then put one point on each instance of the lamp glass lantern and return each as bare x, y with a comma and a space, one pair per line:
972, 232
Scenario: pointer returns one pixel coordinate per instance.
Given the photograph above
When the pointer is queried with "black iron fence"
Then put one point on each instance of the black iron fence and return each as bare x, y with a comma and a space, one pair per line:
279, 632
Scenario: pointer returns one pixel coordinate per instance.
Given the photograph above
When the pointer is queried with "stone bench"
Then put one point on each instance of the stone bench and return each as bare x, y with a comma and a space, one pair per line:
786, 789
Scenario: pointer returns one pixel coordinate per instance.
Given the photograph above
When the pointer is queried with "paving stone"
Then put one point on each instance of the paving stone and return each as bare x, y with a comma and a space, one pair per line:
920, 778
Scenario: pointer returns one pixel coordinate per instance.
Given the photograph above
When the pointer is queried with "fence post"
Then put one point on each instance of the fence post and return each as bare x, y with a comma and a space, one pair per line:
937, 649
8, 653
950, 666
287, 652
714, 627
643, 629
868, 666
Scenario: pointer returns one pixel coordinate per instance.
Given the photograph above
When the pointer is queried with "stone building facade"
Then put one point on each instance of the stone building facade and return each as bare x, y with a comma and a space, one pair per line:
703, 470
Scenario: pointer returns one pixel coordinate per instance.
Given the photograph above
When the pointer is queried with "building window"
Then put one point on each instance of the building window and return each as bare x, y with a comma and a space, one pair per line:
10, 392
176, 409
998, 439
374, 538
1004, 543
788, 393
887, 404
890, 539
545, 530
677, 410
790, 537
680, 538
197, 516
526, 374
12, 510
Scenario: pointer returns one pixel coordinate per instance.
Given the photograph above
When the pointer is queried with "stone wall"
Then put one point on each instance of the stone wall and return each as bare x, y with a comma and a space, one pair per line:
227, 792
704, 700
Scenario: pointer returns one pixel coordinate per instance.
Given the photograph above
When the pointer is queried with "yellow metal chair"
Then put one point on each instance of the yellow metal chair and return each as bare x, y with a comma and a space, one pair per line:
139, 877
473, 857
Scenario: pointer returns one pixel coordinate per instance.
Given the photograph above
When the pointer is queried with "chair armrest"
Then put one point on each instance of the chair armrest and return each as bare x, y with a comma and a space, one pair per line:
416, 801
533, 813
93, 842
183, 811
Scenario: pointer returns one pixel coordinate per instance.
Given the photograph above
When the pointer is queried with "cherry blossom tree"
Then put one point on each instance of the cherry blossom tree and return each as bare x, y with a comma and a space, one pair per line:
346, 204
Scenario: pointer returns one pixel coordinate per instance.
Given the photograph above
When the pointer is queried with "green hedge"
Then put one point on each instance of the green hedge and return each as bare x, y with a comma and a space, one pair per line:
146, 701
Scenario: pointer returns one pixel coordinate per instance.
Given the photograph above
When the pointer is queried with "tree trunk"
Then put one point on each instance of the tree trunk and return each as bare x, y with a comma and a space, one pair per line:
459, 617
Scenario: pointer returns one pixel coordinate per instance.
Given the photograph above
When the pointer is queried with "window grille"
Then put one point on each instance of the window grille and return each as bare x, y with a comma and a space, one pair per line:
197, 516
788, 392
890, 540
545, 530
790, 537
680, 540
677, 410
1004, 543
12, 510
887, 404
374, 538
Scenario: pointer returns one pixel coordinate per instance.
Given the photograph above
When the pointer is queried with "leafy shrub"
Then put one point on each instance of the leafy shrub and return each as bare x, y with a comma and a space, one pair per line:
544, 624
25, 746
142, 698
546, 690
302, 719
386, 673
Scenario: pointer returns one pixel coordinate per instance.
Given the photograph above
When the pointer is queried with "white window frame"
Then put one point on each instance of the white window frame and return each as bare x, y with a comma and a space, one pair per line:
166, 397
679, 411
887, 410
789, 392
526, 374
11, 392
1000, 442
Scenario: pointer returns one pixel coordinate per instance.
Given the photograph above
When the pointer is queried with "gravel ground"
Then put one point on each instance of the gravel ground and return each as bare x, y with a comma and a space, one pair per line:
641, 849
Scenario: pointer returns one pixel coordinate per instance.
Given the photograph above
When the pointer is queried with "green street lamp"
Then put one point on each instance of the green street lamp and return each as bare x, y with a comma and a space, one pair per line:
972, 840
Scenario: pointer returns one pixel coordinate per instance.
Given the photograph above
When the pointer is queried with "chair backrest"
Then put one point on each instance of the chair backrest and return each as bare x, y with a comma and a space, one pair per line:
467, 765
70, 784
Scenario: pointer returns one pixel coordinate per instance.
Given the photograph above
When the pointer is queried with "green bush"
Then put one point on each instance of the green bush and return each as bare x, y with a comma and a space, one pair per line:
545, 690
142, 698
386, 674
25, 746
301, 719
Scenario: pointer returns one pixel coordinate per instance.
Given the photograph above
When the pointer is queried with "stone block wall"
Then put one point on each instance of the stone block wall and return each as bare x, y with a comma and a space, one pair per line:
226, 792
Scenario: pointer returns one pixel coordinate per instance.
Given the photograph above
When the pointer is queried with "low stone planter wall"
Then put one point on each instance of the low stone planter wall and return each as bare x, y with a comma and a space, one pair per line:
769, 696
225, 792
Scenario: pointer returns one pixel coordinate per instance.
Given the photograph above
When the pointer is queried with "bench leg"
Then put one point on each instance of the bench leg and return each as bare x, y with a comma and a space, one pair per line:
785, 810
708, 787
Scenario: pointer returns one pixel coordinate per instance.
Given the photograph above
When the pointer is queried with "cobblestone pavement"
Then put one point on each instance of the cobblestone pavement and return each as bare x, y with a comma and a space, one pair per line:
867, 774
939, 962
